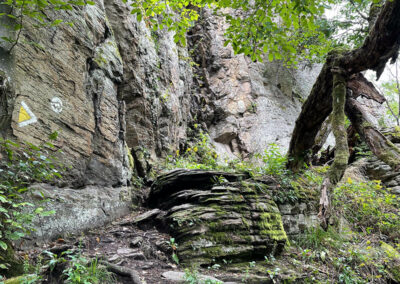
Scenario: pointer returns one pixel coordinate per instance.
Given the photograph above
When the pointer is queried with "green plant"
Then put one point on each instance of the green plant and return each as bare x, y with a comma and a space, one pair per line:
252, 107
32, 272
270, 259
219, 180
369, 207
192, 277
23, 164
362, 150
316, 238
80, 270
200, 155
84, 271
246, 275
300, 32
273, 273
174, 247
307, 184
274, 161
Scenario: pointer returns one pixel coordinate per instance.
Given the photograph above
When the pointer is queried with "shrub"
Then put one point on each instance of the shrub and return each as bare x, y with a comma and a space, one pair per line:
200, 155
274, 161
369, 207
24, 164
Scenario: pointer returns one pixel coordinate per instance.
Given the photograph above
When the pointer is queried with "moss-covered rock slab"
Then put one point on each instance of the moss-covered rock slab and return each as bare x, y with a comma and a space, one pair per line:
218, 222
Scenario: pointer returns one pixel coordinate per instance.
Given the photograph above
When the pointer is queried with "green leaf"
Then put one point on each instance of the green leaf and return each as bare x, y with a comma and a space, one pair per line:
38, 210
175, 258
48, 213
3, 245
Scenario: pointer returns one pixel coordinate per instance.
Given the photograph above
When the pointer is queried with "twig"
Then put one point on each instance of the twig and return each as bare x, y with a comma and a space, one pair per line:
358, 11
20, 28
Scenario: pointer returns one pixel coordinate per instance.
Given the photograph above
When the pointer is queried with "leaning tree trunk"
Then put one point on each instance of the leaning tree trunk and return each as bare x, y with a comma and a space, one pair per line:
381, 44
329, 92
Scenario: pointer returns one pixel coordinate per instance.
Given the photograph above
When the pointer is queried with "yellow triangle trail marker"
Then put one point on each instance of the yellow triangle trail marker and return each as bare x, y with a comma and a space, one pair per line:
26, 116
23, 115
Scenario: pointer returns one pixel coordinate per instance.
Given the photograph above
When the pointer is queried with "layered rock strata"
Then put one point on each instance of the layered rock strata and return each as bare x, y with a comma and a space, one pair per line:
217, 216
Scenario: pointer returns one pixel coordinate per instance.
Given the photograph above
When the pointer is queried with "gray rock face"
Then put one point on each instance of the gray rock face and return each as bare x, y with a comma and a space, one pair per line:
77, 210
157, 85
67, 82
109, 80
249, 105
299, 217
108, 84
378, 170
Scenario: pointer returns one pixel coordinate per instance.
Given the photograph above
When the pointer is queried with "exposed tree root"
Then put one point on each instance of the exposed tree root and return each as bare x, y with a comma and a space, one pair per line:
123, 271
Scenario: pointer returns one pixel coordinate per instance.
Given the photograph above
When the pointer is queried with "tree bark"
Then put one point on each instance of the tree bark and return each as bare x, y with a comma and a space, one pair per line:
382, 147
339, 165
381, 44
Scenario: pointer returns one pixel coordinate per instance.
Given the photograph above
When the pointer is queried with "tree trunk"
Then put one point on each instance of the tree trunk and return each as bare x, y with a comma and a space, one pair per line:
381, 44
382, 147
339, 165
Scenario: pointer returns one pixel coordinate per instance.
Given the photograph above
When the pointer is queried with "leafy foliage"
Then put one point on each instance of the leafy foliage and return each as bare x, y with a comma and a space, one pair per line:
174, 247
23, 165
280, 29
80, 269
200, 155
369, 207
274, 161
349, 26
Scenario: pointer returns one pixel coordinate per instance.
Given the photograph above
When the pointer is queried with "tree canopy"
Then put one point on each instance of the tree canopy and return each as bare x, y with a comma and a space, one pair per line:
288, 30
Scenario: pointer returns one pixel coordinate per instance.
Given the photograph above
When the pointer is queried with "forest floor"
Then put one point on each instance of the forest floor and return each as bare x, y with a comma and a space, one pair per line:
148, 252
320, 257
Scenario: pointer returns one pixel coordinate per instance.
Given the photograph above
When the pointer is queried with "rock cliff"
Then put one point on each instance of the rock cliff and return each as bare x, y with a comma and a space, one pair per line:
108, 81
122, 97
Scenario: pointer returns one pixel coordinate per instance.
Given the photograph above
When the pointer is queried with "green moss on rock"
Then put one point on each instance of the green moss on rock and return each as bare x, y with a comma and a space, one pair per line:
272, 226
